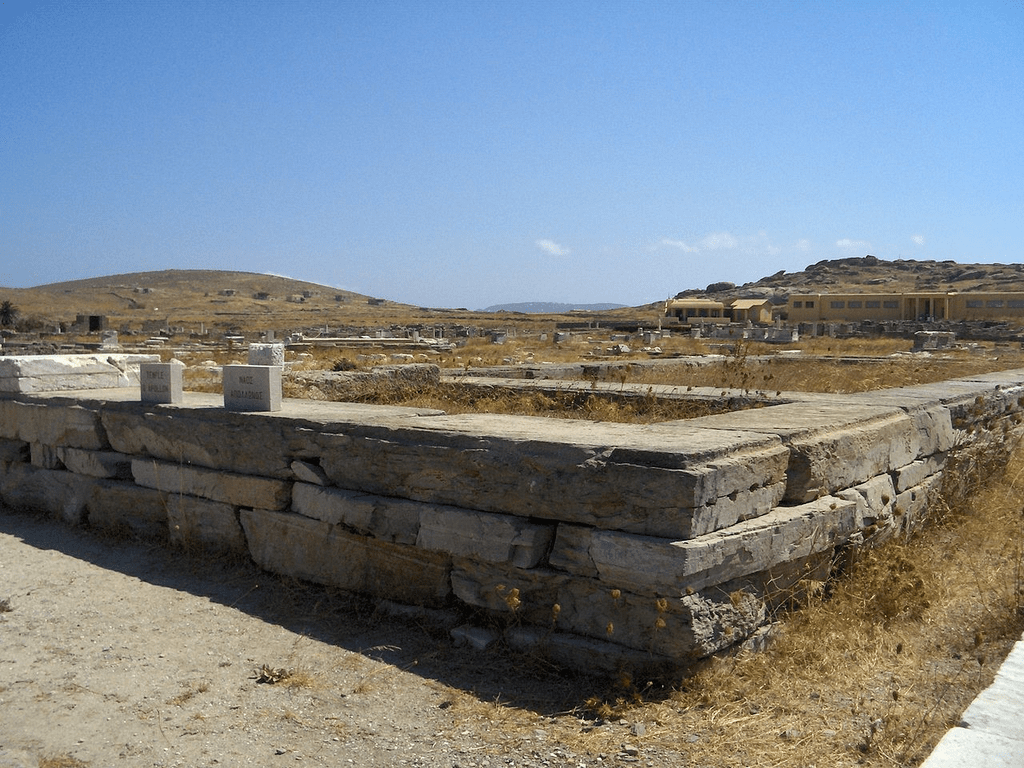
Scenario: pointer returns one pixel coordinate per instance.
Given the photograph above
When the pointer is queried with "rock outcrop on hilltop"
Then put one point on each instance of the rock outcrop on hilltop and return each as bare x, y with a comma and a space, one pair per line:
869, 274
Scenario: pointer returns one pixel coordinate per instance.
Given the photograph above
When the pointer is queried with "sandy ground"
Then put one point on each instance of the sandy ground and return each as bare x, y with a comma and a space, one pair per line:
127, 653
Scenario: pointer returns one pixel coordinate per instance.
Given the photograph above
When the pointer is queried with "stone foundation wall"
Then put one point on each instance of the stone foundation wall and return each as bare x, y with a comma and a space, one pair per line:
595, 543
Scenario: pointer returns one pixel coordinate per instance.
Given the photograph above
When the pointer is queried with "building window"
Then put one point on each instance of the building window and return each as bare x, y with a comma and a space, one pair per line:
838, 304
973, 303
809, 305
854, 305
798, 305
1015, 303
994, 303
891, 304
872, 304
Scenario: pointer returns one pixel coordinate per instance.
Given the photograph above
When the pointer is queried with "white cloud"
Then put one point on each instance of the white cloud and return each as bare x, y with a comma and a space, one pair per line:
718, 241
758, 244
681, 245
803, 245
918, 239
552, 248
853, 245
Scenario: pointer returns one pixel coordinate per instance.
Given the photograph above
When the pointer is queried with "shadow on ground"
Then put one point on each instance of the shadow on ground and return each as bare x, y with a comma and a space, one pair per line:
420, 646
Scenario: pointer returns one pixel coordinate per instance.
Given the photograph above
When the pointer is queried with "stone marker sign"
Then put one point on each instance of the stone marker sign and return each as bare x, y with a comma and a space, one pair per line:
252, 387
266, 354
161, 382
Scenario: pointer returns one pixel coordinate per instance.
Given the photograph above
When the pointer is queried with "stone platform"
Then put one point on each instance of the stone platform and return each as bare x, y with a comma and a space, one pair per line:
596, 544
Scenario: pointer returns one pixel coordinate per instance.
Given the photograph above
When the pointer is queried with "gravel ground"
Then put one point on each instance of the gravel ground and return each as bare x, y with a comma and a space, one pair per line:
127, 653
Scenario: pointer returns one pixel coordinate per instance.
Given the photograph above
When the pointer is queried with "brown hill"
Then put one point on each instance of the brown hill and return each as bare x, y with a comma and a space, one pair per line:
868, 274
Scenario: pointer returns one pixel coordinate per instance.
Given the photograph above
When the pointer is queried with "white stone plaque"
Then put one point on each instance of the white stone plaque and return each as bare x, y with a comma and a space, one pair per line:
252, 387
160, 382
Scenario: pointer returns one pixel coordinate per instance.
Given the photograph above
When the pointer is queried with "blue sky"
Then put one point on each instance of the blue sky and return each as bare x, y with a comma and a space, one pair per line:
464, 154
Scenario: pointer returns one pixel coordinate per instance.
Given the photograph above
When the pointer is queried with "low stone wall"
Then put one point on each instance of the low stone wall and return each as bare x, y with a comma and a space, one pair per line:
597, 544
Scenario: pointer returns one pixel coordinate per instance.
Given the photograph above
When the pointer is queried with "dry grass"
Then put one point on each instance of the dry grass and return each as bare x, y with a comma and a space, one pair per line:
643, 408
839, 375
61, 761
189, 691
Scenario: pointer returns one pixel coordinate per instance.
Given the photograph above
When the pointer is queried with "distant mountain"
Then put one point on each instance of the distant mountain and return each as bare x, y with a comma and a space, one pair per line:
549, 308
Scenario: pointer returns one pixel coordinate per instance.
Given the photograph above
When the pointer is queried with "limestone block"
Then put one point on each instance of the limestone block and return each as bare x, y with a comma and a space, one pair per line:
96, 463
648, 565
736, 507
383, 517
934, 427
227, 487
56, 492
875, 500
266, 354
968, 748
52, 373
122, 506
210, 525
484, 536
916, 472
641, 479
208, 438
52, 424
14, 450
304, 548
679, 627
586, 653
828, 462
307, 472
913, 505
45, 456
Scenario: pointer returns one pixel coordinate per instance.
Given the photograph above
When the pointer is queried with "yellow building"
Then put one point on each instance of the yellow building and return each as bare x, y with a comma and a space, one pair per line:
696, 310
758, 311
850, 307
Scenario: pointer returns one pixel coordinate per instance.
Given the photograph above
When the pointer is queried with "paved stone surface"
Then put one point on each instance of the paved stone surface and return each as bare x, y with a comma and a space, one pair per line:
991, 731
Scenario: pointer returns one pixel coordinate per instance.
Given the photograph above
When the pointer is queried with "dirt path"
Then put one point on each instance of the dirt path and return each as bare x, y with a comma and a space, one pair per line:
124, 653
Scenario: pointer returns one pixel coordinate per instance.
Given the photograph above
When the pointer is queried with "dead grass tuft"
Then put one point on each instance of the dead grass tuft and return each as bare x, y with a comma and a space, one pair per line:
61, 761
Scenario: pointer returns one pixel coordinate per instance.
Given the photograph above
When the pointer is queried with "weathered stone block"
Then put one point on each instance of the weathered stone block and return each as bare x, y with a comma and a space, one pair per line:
214, 439
227, 487
640, 479
308, 472
45, 456
648, 565
14, 450
874, 500
96, 463
52, 373
687, 627
912, 506
389, 519
594, 656
827, 462
56, 492
52, 424
484, 536
304, 548
118, 506
735, 508
209, 525
917, 472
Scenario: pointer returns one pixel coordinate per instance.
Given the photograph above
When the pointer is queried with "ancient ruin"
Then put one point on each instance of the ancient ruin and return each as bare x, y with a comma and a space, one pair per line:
593, 543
